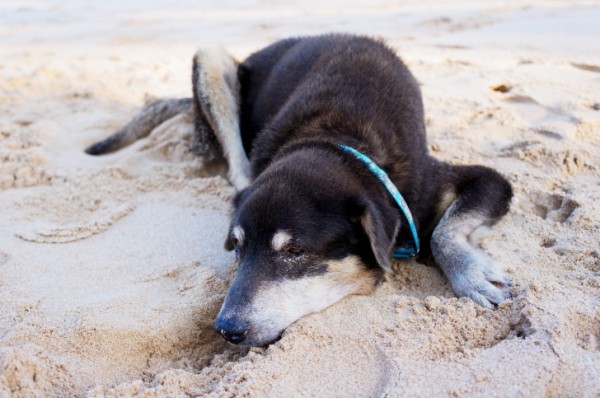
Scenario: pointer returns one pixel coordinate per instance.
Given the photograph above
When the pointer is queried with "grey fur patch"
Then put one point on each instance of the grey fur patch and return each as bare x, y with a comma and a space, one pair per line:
150, 117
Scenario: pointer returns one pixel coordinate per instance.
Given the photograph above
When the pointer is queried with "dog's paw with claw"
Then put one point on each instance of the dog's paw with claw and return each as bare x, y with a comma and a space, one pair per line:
484, 283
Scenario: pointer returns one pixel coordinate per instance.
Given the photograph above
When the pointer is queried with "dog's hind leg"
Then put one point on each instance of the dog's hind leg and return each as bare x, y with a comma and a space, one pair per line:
142, 124
217, 103
482, 198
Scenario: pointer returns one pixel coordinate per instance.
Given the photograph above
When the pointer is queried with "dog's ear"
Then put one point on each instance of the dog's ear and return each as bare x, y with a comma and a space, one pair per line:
237, 200
381, 226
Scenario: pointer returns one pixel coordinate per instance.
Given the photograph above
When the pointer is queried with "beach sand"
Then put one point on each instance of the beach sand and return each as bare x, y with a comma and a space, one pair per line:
112, 268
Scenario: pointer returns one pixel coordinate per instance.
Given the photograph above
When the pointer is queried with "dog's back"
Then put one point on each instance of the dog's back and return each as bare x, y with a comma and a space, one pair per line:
298, 88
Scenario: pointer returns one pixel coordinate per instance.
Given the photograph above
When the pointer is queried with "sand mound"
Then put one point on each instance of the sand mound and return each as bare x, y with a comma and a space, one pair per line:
112, 268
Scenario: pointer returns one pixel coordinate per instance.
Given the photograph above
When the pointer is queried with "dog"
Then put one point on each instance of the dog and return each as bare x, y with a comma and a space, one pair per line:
325, 141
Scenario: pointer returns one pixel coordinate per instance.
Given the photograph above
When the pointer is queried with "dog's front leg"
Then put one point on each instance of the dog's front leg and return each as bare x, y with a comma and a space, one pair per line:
217, 98
472, 273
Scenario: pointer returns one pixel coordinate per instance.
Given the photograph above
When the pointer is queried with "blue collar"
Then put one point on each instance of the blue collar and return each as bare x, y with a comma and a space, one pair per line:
400, 252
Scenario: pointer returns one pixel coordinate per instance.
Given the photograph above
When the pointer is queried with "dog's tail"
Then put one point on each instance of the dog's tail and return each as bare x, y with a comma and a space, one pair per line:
215, 107
151, 116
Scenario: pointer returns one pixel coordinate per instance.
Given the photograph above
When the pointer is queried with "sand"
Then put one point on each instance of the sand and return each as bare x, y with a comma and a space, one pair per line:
112, 268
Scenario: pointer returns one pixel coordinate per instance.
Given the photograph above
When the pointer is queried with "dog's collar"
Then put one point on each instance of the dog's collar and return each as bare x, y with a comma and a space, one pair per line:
400, 252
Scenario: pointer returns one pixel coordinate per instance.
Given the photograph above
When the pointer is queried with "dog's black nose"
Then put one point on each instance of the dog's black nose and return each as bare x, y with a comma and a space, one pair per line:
232, 329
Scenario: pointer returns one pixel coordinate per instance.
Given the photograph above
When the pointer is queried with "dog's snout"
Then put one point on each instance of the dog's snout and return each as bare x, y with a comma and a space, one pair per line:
232, 329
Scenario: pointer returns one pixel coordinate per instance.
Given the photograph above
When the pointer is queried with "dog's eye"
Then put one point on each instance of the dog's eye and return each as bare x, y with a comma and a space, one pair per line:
295, 251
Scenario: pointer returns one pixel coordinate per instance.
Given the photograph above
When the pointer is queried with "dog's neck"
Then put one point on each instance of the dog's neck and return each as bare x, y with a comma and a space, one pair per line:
404, 251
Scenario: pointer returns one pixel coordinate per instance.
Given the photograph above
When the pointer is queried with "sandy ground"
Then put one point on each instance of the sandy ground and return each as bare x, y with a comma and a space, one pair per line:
112, 268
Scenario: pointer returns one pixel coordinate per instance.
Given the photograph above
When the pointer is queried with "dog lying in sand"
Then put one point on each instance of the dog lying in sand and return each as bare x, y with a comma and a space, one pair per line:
325, 141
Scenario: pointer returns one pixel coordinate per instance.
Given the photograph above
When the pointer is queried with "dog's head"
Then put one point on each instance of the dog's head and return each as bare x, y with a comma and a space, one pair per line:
302, 243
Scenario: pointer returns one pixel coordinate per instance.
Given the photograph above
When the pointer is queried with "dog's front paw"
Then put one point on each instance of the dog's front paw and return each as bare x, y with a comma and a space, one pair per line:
484, 283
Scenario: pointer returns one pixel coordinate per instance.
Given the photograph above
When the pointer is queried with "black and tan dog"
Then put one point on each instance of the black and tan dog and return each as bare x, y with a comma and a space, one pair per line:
312, 223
